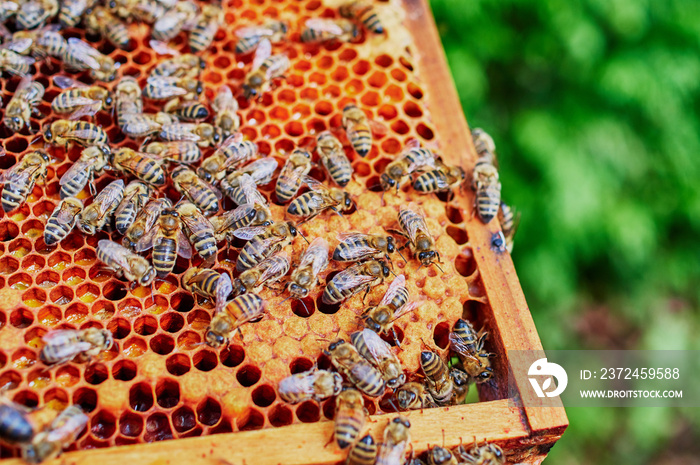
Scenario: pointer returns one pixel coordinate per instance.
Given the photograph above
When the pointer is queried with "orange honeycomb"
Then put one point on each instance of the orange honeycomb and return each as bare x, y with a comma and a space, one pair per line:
158, 381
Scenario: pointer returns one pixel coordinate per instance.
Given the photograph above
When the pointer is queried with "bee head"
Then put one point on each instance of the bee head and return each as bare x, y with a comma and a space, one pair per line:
396, 382
44, 156
426, 257
405, 398
373, 325
386, 271
334, 345
402, 421
485, 375
292, 228
214, 340
148, 277
217, 136
48, 134
113, 4
202, 63
199, 89
390, 246
347, 203
108, 101
386, 182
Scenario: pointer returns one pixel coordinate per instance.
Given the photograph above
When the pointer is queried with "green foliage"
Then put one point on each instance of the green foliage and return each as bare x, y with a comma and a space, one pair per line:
593, 107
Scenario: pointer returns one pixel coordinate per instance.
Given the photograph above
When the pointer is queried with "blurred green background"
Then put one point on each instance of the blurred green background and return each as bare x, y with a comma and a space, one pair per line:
593, 105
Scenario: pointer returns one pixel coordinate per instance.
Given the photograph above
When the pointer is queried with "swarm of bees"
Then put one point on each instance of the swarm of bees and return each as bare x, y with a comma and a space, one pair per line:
199, 150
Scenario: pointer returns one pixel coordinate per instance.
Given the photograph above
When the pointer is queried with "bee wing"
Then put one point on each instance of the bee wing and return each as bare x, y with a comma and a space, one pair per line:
146, 242
184, 249
396, 284
84, 52
168, 21
161, 48
314, 184
323, 24
250, 190
65, 82
64, 429
249, 232
66, 215
317, 255
461, 348
232, 216
253, 31
197, 222
168, 85
292, 174
357, 251
350, 278
134, 125
18, 45
223, 289
4, 31
184, 129
378, 128
79, 134
224, 100
18, 175
278, 267
263, 51
416, 224
60, 335
88, 107
379, 348
24, 83
263, 170
132, 161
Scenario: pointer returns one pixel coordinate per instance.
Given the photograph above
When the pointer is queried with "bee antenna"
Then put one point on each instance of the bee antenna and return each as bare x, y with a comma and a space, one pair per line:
302, 236
391, 402
392, 272
439, 268
401, 255
287, 300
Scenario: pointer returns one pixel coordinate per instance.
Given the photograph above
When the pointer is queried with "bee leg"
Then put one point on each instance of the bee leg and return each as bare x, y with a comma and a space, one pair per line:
332, 438
396, 338
367, 289
240, 333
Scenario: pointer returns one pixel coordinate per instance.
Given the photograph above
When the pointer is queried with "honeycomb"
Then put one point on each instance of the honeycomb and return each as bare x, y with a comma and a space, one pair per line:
158, 381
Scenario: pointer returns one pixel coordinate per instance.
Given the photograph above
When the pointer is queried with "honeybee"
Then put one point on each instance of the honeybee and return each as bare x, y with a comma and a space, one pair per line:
379, 354
363, 452
128, 102
233, 152
313, 261
509, 224
207, 283
333, 158
439, 382
312, 203
101, 21
249, 37
204, 134
207, 24
483, 142
393, 306
136, 194
198, 228
422, 243
232, 220
235, 313
39, 42
71, 11
354, 247
167, 240
63, 131
263, 241
95, 216
164, 88
23, 103
461, 381
144, 222
469, 347
359, 129
137, 125
14, 63
350, 417
257, 173
183, 151
364, 13
61, 433
81, 56
174, 20
125, 263
355, 279
187, 110
266, 67
268, 271
64, 345
81, 100
318, 30
225, 107
443, 178
34, 13
197, 191
397, 436
441, 456
181, 65
19, 180
92, 161
488, 454
312, 384
140, 165
488, 189
62, 220
293, 172
412, 159
414, 396
356, 369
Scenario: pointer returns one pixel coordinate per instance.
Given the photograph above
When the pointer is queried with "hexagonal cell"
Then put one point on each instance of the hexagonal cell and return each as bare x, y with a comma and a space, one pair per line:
61, 295
208, 412
8, 230
172, 322
167, 393
114, 291
124, 370
102, 310
198, 320
76, 313
162, 344
178, 364
189, 340
141, 397
248, 375
33, 336
8, 265
47, 279
34, 297
134, 347
19, 281
33, 263
86, 398
10, 380
59, 261
308, 412
23, 358
157, 428
182, 302
280, 415
103, 425
232, 355
205, 360
184, 419
96, 373
27, 398
130, 424
88, 292
21, 318
145, 325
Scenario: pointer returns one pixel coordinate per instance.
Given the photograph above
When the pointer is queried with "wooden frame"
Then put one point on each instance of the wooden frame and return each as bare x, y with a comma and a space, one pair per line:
525, 433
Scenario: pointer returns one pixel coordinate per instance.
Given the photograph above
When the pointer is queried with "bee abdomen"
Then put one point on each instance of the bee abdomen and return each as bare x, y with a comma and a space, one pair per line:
362, 141
14, 426
364, 452
341, 171
251, 255
205, 244
206, 200
246, 44
432, 181
300, 206
342, 252
347, 428
125, 218
13, 195
333, 295
370, 381
488, 201
194, 112
245, 305
201, 37
164, 256
55, 232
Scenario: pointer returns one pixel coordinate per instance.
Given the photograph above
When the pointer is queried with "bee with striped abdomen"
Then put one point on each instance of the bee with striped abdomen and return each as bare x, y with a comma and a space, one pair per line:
204, 134
247, 193
19, 180
270, 270
363, 452
312, 203
183, 151
356, 369
144, 222
293, 173
350, 417
80, 56
375, 350
413, 158
128, 101
440, 456
469, 347
207, 283
397, 437
62, 220
123, 262
232, 220
35, 13
333, 158
15, 425
439, 383
230, 316
355, 279
71, 11
250, 36
416, 230
364, 13
263, 241
139, 164
164, 88
136, 194
187, 110
99, 20
359, 129
354, 247
509, 224
198, 228
258, 173
23, 104
313, 261
46, 41
233, 152
442, 179
138, 125
95, 216
461, 382
488, 454
181, 65
320, 30
488, 189
79, 99
225, 107
81, 173
206, 26
197, 191
483, 142
63, 132
414, 396
64, 345
310, 385
60, 434
167, 26
266, 68
167, 240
